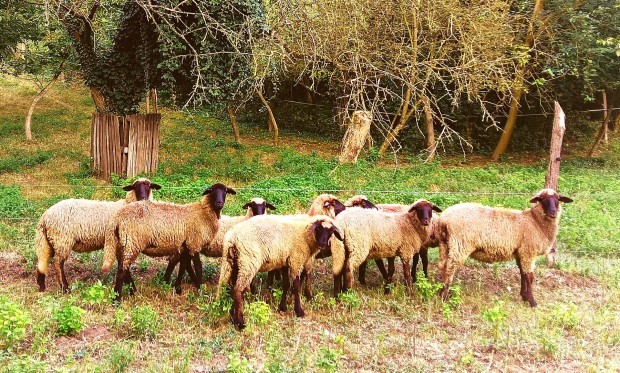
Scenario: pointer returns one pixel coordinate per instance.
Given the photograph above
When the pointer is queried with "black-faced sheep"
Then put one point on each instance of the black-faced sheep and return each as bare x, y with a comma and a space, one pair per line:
256, 206
496, 235
373, 234
163, 229
268, 243
79, 225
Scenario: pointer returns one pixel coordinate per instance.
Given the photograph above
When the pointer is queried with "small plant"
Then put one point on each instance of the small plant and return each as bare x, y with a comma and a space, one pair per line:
426, 288
259, 313
468, 358
216, 308
143, 265
24, 364
238, 363
496, 316
120, 357
328, 359
13, 322
453, 303
350, 299
145, 322
68, 318
549, 343
97, 294
563, 316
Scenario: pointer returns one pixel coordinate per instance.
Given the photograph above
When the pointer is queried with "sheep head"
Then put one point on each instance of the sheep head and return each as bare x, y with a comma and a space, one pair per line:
216, 194
258, 206
326, 204
360, 200
424, 211
322, 229
550, 200
142, 188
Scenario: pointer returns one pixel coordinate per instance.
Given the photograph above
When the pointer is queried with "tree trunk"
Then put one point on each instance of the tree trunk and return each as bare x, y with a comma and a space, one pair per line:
553, 170
272, 119
601, 134
39, 96
233, 122
431, 147
355, 137
153, 96
605, 115
504, 140
404, 114
99, 100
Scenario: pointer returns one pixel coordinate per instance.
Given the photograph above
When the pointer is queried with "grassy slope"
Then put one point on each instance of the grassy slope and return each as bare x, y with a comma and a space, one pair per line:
575, 326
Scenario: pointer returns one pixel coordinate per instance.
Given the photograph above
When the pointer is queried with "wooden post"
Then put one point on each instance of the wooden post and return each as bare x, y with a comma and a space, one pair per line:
355, 137
605, 115
553, 170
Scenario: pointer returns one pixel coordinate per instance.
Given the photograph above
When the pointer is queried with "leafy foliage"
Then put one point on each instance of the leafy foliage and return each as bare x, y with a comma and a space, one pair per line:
68, 317
13, 322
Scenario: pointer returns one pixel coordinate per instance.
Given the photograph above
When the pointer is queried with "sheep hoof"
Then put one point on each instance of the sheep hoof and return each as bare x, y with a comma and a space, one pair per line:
533, 303
178, 290
300, 313
282, 308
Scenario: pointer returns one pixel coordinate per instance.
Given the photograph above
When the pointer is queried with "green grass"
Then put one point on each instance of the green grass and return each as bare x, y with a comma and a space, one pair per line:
574, 328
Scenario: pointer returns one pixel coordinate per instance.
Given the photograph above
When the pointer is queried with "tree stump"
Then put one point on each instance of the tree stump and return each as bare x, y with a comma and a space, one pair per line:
355, 136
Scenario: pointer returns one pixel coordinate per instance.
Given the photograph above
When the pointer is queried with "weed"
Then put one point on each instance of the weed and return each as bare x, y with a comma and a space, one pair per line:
145, 322
18, 162
121, 356
24, 364
143, 265
216, 308
97, 294
328, 359
496, 316
259, 313
426, 288
350, 299
68, 318
549, 342
562, 315
13, 322
238, 363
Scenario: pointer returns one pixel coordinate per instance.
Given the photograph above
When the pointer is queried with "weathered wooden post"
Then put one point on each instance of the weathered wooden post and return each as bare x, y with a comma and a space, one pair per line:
355, 136
553, 170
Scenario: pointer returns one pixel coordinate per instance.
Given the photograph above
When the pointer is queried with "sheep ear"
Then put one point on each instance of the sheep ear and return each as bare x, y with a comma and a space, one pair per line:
369, 205
230, 191
270, 206
326, 204
412, 208
247, 205
207, 191
536, 199
128, 188
338, 234
155, 186
565, 199
437, 209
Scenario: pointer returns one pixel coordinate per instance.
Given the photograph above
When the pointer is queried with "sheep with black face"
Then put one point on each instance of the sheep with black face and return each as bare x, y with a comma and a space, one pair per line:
163, 229
79, 225
492, 235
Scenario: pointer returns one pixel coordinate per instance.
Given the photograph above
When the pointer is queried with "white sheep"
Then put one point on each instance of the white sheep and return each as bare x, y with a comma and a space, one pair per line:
256, 206
79, 225
163, 229
271, 242
373, 234
496, 235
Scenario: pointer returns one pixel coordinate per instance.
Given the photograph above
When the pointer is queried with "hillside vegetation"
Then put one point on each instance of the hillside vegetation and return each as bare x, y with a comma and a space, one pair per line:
485, 327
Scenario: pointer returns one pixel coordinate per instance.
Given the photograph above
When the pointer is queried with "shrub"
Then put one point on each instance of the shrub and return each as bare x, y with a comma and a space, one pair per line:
120, 357
328, 359
259, 313
68, 318
13, 322
426, 288
238, 363
97, 294
350, 299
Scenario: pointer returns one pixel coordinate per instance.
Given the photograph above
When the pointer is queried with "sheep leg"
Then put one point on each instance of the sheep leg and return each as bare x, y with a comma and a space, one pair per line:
237, 308
307, 276
285, 286
530, 289
41, 280
296, 289
198, 269
348, 276
424, 257
120, 280
523, 280
185, 262
172, 263
381, 267
59, 270
337, 284
65, 284
448, 276
362, 275
407, 272
128, 280
269, 280
389, 276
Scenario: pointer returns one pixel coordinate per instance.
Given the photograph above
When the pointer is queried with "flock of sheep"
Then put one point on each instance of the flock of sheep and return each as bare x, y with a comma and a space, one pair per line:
287, 245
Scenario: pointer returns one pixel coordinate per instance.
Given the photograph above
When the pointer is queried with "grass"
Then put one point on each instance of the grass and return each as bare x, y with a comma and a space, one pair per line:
487, 327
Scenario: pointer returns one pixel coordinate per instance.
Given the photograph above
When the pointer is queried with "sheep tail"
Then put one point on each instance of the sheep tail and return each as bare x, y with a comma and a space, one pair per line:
110, 247
225, 270
43, 249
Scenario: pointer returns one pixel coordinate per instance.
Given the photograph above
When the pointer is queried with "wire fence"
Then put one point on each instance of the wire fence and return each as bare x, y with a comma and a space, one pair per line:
603, 240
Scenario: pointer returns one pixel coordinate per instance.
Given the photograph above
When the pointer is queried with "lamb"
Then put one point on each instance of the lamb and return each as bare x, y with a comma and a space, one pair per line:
270, 242
79, 225
362, 201
372, 234
324, 204
163, 229
256, 206
495, 235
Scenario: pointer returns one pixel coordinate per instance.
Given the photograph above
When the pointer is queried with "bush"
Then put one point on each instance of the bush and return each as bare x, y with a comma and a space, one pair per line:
97, 294
13, 322
259, 313
426, 288
350, 299
68, 318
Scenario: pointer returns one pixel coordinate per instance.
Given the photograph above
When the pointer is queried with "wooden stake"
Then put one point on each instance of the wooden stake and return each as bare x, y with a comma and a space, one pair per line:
553, 170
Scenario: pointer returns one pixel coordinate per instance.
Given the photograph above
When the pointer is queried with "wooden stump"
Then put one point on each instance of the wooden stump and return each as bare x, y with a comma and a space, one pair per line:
355, 137
553, 170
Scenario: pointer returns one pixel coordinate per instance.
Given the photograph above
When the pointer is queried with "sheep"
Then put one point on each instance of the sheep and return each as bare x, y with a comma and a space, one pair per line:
163, 229
496, 235
372, 234
270, 242
256, 206
362, 201
324, 204
79, 225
